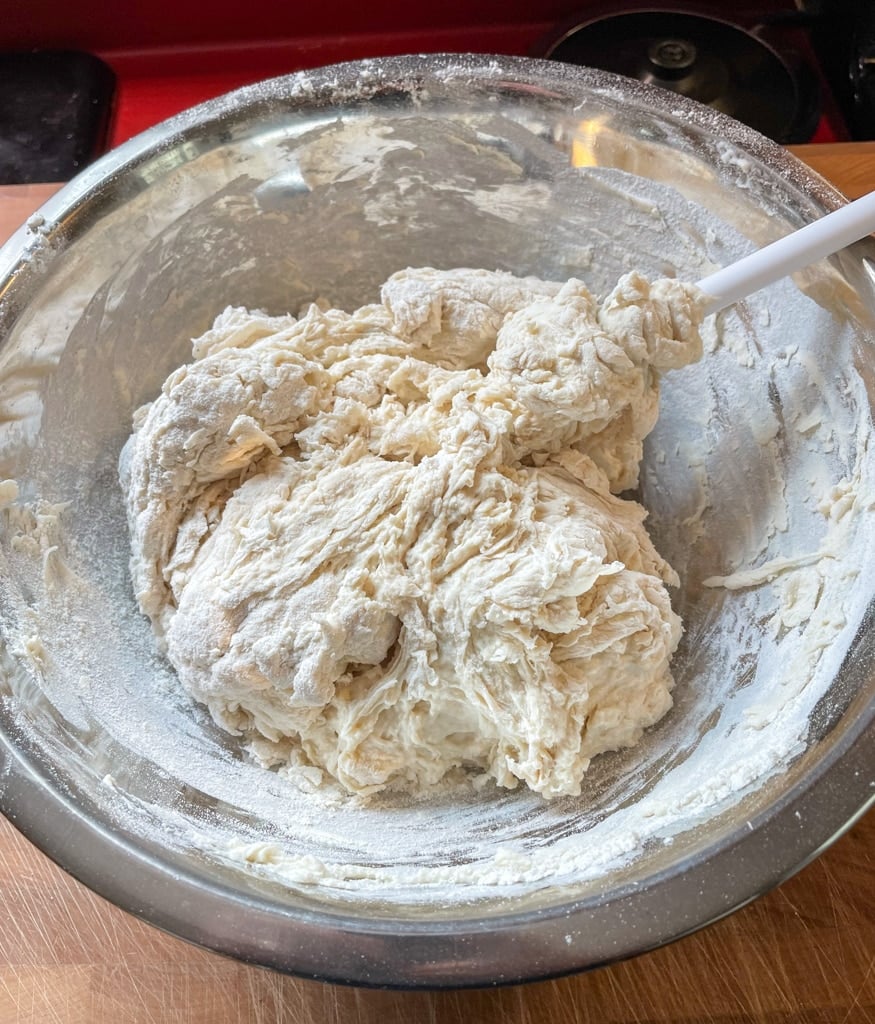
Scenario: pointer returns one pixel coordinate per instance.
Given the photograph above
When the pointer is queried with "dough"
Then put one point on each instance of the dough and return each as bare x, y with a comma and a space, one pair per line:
389, 543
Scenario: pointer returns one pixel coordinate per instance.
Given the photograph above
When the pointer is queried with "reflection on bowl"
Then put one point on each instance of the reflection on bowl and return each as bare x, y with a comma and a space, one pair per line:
757, 478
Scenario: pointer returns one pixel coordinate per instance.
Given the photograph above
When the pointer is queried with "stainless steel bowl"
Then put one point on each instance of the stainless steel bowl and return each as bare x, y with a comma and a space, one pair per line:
324, 183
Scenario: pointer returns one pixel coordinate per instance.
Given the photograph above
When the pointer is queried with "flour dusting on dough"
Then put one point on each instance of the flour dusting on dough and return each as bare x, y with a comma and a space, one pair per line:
390, 542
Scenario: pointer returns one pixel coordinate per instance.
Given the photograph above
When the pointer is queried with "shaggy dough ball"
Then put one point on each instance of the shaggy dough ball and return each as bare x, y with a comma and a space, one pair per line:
389, 544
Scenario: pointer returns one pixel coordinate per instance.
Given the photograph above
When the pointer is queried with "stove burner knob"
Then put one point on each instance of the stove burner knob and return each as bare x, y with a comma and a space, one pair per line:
671, 58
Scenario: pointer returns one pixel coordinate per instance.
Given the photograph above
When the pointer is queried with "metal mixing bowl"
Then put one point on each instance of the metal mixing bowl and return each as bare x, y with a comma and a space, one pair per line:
325, 183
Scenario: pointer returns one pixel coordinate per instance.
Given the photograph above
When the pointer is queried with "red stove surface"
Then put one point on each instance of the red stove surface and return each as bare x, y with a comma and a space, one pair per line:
169, 57
155, 84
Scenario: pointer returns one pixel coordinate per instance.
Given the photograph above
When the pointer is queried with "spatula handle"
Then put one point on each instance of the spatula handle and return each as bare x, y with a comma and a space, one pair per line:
793, 252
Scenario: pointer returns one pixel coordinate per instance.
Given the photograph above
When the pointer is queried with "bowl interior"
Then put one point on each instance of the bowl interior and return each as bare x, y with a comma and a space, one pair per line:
324, 185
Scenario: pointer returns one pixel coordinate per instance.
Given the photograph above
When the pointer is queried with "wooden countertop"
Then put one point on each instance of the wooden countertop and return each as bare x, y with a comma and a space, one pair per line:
803, 953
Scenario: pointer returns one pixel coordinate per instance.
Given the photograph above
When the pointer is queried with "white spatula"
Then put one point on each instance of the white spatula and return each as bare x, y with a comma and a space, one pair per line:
789, 254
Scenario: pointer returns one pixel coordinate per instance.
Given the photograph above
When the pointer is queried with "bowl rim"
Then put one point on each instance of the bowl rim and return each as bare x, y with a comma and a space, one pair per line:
450, 952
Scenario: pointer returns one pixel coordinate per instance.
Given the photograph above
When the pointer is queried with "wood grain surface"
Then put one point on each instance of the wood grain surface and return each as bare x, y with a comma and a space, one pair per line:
803, 954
